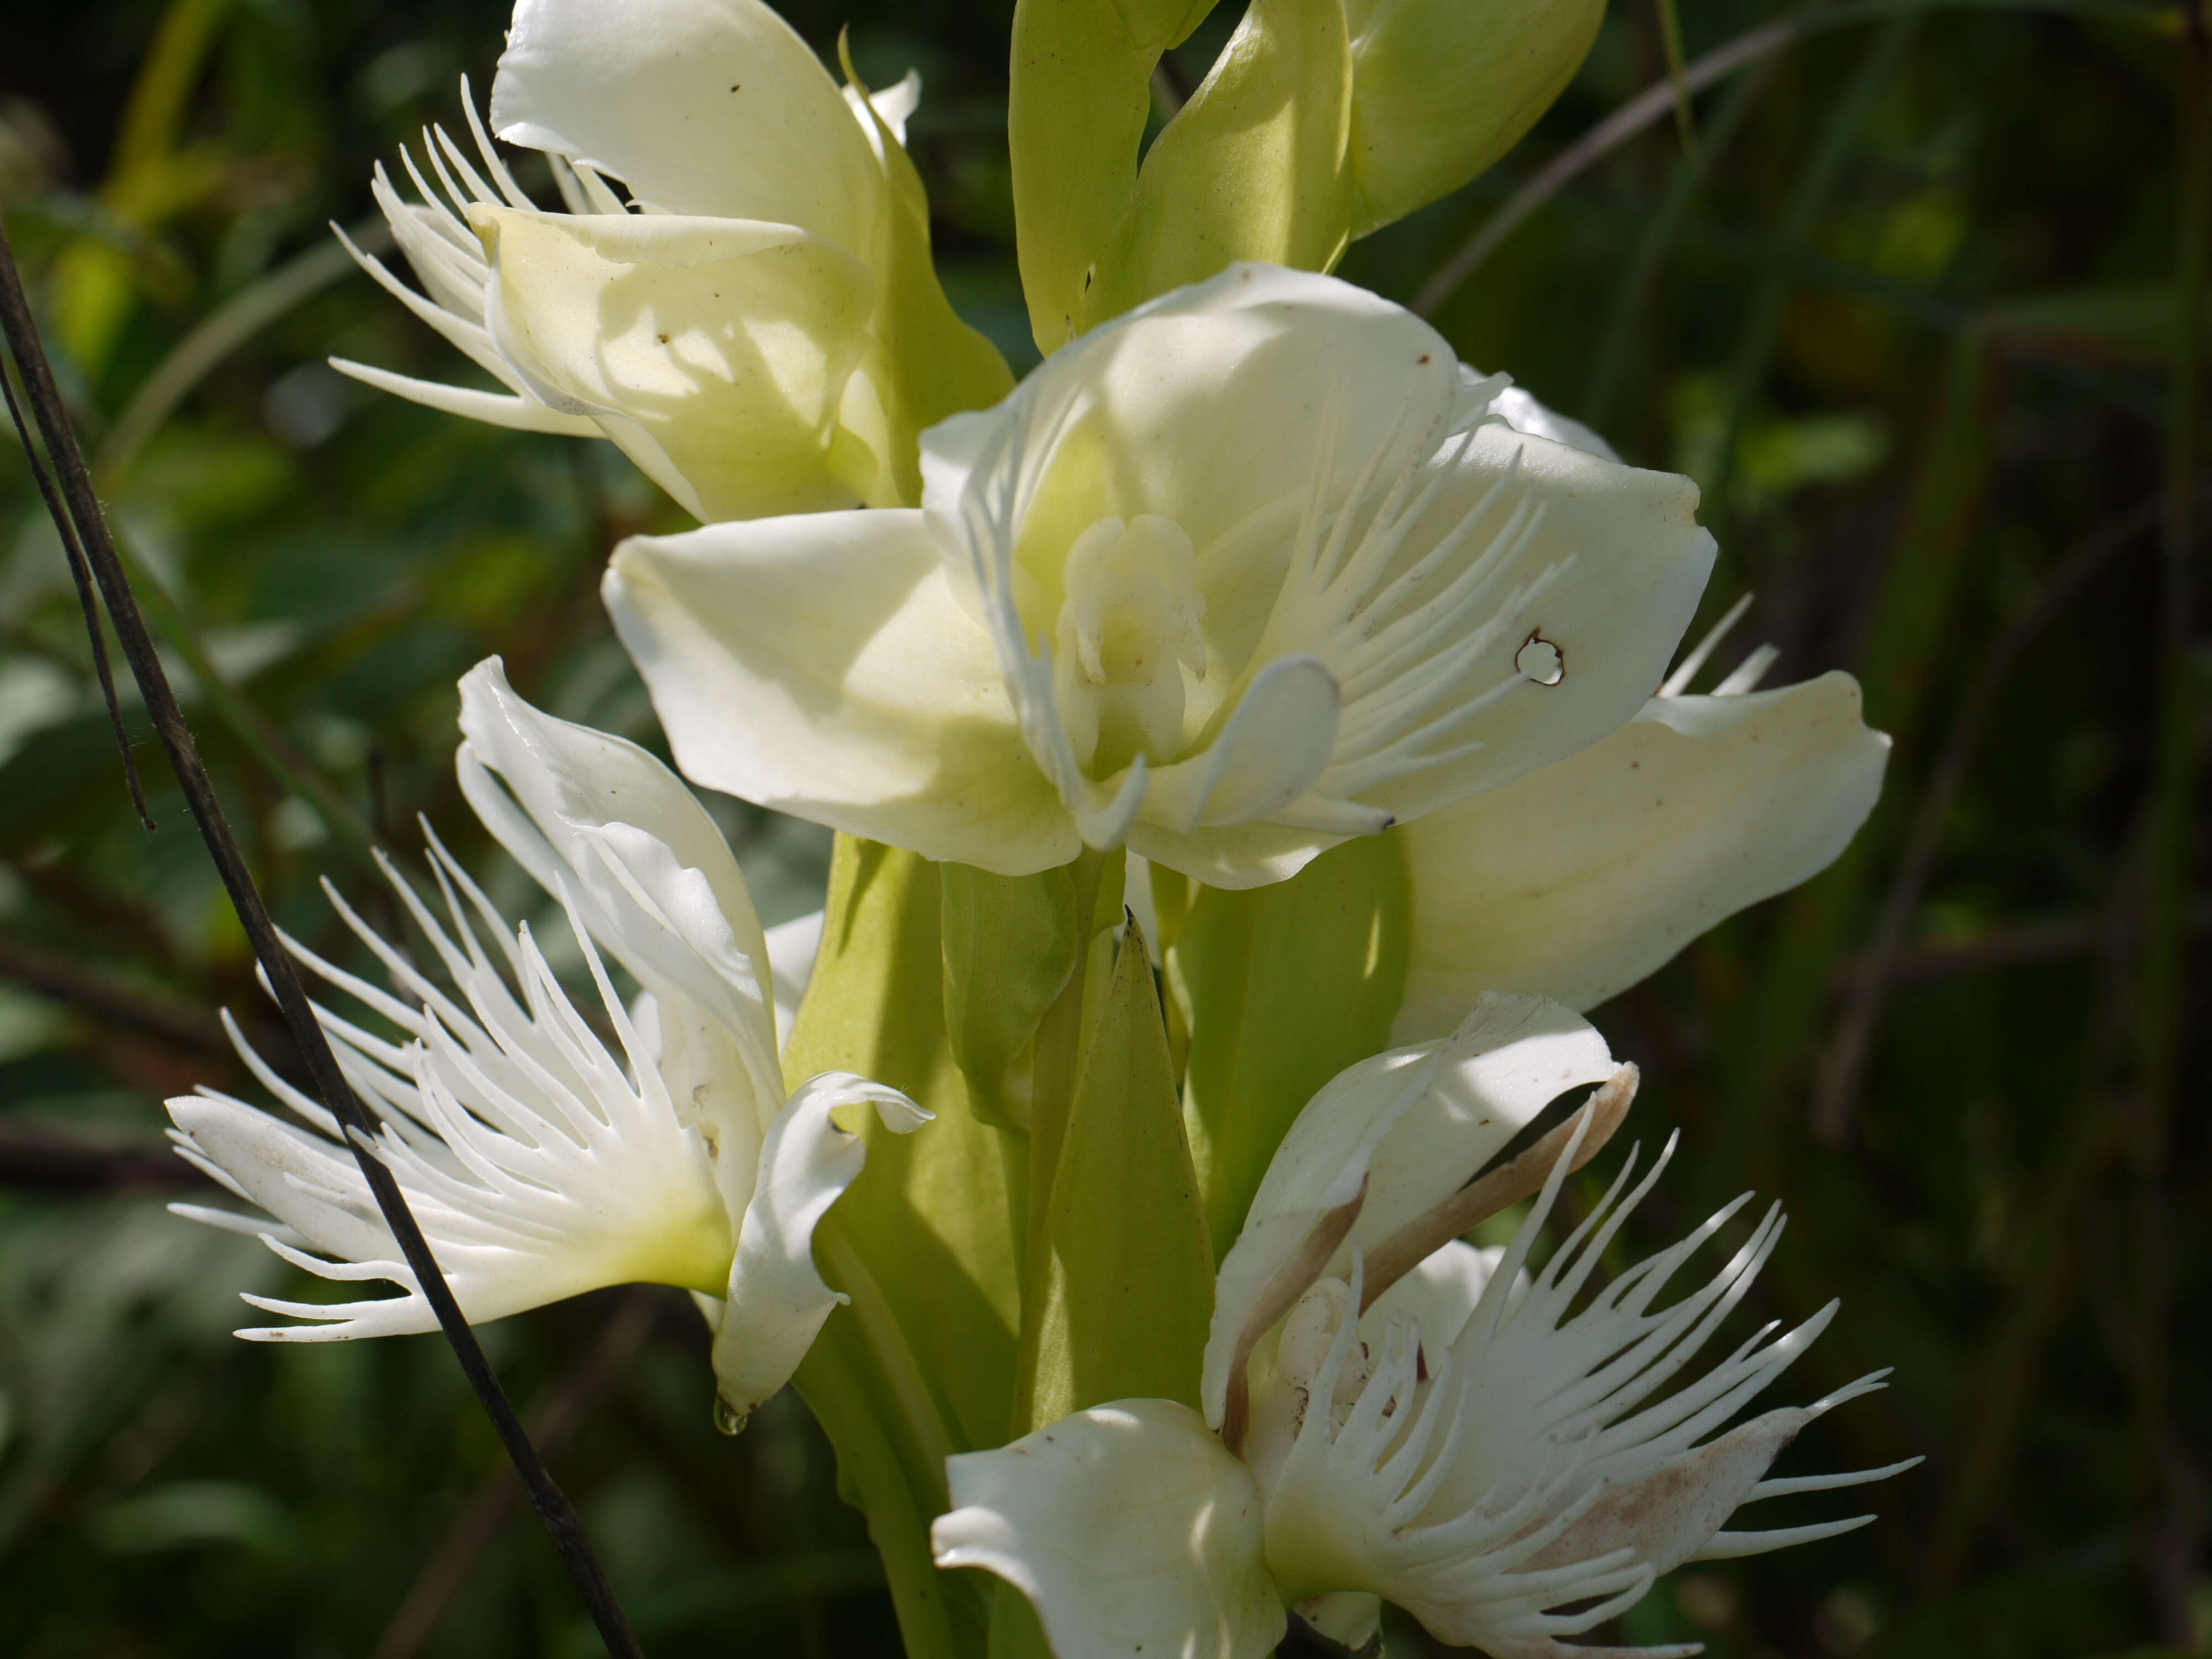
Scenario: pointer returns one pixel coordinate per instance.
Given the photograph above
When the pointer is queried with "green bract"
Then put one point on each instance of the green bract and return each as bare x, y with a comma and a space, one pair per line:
1010, 948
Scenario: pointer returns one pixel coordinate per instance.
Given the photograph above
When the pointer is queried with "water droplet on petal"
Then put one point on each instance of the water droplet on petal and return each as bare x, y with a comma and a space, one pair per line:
1540, 660
728, 1419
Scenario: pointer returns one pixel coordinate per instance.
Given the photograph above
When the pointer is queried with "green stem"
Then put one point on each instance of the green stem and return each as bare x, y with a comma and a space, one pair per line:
878, 1462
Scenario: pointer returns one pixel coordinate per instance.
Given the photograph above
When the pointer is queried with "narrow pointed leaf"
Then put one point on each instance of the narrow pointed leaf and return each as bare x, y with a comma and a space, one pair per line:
1123, 1288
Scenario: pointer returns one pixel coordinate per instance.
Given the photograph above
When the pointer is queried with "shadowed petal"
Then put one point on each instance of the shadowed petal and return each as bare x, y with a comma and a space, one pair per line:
1580, 879
1127, 1527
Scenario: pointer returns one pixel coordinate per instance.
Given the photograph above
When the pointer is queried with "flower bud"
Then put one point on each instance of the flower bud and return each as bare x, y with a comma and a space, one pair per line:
1441, 88
1321, 121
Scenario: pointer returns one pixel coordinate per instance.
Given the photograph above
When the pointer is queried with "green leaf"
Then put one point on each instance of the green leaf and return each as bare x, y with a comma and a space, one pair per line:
1283, 986
1099, 879
1009, 946
1124, 1283
1442, 88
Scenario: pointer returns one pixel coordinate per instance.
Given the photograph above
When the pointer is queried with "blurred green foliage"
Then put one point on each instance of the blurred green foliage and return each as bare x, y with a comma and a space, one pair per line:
1909, 311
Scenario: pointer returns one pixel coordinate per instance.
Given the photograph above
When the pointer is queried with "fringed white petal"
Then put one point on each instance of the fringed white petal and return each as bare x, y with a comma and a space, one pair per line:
1306, 1205
1511, 1057
1410, 587
1588, 1414
1348, 1505
539, 1164
449, 261
518, 411
700, 106
1512, 601
1402, 1132
1135, 409
1438, 1298
720, 348
1509, 1458
597, 818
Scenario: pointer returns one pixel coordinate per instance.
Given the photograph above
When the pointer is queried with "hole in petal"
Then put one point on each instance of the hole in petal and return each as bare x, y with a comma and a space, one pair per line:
1540, 660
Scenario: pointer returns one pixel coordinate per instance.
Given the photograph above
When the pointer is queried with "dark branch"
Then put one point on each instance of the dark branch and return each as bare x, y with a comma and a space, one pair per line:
43, 1157
81, 577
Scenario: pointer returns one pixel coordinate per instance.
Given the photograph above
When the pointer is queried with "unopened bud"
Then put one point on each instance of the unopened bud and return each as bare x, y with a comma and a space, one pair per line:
1441, 88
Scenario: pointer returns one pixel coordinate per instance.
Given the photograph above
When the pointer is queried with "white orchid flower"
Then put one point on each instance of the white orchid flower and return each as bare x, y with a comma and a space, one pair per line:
1578, 880
540, 1161
1249, 571
1392, 1415
758, 326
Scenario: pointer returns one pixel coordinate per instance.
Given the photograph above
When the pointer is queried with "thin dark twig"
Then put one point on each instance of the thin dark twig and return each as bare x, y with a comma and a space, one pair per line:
1844, 1067
1615, 129
83, 510
80, 574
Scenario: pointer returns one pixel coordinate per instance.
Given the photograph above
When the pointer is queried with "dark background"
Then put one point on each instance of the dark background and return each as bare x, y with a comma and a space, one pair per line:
1910, 316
